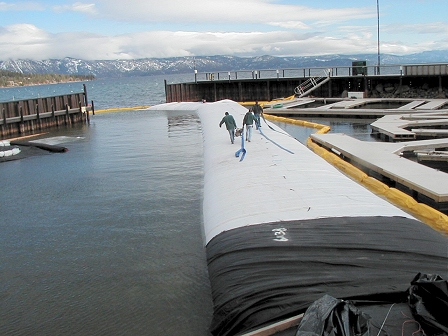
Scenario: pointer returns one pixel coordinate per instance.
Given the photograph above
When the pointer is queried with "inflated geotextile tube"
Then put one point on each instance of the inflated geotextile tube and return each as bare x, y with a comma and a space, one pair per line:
283, 228
47, 147
425, 213
258, 280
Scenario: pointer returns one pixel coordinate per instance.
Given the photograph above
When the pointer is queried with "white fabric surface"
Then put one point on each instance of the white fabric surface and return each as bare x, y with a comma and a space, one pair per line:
270, 184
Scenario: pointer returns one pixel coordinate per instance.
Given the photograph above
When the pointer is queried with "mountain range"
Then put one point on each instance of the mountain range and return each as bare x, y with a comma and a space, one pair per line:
179, 65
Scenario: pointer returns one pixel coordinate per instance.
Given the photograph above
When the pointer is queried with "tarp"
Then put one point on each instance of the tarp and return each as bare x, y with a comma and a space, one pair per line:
425, 313
428, 299
269, 272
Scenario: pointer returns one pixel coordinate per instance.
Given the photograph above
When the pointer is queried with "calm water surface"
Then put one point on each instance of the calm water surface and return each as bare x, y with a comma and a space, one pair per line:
106, 238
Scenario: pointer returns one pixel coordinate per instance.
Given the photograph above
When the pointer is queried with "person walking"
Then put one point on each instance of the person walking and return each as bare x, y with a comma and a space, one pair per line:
248, 121
258, 111
230, 125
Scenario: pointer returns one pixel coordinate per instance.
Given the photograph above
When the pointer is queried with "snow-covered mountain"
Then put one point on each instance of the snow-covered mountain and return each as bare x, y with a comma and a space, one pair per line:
152, 66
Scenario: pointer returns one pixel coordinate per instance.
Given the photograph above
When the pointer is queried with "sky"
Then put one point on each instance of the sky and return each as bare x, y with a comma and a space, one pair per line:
134, 29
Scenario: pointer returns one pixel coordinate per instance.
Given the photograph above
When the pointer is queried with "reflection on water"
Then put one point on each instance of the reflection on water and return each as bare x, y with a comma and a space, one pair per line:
106, 238
356, 128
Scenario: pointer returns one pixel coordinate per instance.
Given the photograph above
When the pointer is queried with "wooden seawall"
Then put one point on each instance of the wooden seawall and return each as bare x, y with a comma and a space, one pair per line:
19, 117
267, 85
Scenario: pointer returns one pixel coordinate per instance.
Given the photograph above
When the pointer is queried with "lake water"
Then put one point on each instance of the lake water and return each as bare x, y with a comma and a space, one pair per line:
106, 238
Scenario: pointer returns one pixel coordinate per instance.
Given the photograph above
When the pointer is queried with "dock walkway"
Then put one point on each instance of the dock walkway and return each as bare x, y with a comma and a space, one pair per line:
432, 105
394, 126
411, 105
357, 107
346, 104
429, 185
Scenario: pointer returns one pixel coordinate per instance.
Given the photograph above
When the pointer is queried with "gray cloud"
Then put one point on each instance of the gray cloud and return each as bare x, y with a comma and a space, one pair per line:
30, 42
226, 11
141, 29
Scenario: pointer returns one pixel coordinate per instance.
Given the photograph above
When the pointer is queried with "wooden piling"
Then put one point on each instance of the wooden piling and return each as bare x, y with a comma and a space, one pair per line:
20, 117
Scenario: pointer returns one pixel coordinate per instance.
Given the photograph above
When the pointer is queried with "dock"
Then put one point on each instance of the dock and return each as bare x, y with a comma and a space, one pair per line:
383, 161
355, 107
20, 117
395, 81
398, 127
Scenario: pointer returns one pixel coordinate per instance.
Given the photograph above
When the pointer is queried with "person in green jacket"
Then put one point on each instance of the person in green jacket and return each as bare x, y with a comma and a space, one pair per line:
258, 111
230, 125
248, 121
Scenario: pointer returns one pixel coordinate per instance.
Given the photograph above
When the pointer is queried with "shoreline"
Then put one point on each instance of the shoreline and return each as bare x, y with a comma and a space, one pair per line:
37, 84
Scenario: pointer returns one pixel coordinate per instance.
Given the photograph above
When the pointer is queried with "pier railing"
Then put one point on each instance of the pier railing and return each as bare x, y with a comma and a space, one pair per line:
338, 71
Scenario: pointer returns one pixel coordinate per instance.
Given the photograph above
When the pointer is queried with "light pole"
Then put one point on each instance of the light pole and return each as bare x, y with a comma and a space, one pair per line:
378, 33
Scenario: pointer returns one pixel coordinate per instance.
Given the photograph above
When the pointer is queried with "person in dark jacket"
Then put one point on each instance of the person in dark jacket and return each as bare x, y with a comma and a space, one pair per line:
258, 111
230, 125
248, 121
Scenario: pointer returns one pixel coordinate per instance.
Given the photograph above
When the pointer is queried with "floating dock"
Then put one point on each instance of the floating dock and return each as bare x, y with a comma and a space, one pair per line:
385, 161
283, 228
355, 107
419, 124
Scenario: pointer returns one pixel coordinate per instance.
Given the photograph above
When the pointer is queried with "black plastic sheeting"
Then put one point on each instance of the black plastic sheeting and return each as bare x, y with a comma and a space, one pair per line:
428, 299
262, 274
334, 317
425, 313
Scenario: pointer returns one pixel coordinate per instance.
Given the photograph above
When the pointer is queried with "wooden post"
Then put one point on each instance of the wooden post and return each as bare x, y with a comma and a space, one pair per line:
87, 113
366, 91
38, 116
21, 125
85, 95
4, 121
66, 114
214, 88
166, 93
401, 85
268, 90
20, 112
